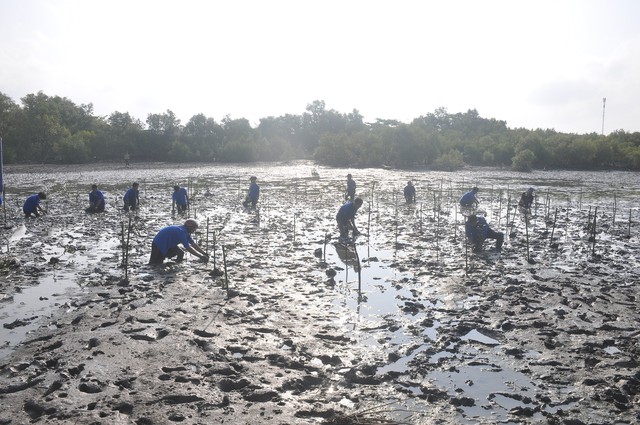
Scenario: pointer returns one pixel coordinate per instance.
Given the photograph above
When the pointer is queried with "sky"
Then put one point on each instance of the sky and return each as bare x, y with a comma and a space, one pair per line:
532, 63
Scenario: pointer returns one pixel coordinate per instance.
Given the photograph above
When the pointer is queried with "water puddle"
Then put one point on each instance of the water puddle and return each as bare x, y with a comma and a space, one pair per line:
24, 313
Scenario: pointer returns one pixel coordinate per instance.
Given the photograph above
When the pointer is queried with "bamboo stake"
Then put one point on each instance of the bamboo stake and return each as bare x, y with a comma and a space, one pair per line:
526, 226
629, 229
593, 232
555, 216
126, 263
226, 276
359, 270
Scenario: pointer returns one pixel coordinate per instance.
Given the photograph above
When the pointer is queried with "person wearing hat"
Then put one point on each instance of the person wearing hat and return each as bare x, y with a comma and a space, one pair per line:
410, 193
96, 200
477, 230
469, 199
165, 243
132, 198
351, 188
526, 200
32, 205
180, 198
253, 194
346, 219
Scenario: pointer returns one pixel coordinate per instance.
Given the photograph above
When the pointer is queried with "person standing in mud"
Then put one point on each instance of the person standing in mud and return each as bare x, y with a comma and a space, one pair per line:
180, 198
126, 159
410, 193
96, 200
469, 199
526, 200
132, 198
253, 194
32, 205
165, 243
477, 230
351, 188
346, 219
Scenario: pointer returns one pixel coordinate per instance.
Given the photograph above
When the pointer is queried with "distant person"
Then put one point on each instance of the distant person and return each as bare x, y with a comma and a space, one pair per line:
346, 219
132, 198
526, 200
351, 188
126, 159
469, 199
410, 193
32, 205
165, 243
180, 198
477, 230
96, 200
253, 194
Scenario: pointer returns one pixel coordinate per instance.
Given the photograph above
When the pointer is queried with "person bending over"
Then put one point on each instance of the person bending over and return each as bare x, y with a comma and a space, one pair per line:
165, 243
346, 219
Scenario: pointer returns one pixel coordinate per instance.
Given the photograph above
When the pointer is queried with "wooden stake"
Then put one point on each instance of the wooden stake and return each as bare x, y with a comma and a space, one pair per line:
555, 216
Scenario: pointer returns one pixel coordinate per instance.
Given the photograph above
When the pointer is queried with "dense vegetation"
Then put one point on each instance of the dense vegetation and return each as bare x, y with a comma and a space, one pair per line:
52, 129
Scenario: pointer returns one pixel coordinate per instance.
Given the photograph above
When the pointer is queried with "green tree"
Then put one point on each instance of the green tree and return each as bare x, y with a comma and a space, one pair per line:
523, 160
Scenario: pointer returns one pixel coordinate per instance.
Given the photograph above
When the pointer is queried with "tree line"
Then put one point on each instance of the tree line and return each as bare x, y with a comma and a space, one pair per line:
53, 129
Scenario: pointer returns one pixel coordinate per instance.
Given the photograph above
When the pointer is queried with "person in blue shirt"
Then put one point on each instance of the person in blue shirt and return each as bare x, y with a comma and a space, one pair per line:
96, 200
165, 243
469, 199
32, 205
526, 200
410, 193
351, 188
132, 198
253, 194
181, 198
477, 230
346, 219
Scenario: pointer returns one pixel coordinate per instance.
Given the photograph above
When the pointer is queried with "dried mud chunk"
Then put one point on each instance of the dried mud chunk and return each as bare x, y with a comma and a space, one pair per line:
261, 396
125, 408
33, 409
181, 399
90, 387
227, 385
463, 401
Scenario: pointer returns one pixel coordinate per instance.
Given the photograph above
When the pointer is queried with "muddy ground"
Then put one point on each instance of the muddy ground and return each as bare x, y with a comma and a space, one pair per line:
409, 328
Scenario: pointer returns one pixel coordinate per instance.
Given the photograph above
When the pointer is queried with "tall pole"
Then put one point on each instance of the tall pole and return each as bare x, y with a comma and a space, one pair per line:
604, 102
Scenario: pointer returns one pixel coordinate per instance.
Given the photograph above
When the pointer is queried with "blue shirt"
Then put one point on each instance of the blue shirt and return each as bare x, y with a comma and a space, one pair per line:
180, 196
31, 204
96, 198
347, 212
170, 237
131, 197
409, 191
351, 187
254, 191
468, 198
480, 228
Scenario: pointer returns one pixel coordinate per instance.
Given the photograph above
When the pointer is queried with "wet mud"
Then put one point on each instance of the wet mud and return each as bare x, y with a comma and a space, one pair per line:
283, 325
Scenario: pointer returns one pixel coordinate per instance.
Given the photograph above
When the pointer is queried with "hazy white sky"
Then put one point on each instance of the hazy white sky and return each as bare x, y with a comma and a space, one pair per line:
531, 63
